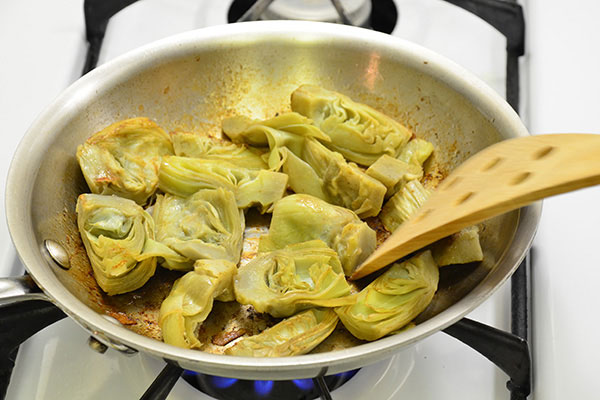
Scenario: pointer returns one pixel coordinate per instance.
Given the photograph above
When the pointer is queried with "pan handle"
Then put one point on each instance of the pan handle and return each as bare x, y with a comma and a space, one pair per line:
19, 289
24, 310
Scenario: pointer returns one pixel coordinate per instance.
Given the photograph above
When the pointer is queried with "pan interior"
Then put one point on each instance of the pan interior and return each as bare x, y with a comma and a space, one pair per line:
195, 88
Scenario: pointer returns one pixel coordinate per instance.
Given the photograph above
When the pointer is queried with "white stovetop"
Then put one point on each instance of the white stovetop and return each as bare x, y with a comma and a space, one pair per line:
43, 47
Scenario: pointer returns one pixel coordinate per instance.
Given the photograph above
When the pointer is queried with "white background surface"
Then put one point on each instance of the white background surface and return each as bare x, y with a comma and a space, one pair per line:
42, 48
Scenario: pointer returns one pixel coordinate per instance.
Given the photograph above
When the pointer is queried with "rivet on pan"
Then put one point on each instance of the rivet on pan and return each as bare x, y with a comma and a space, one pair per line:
57, 253
96, 345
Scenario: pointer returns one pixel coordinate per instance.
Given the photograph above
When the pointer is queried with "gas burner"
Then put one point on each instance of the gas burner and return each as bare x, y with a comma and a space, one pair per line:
233, 389
379, 15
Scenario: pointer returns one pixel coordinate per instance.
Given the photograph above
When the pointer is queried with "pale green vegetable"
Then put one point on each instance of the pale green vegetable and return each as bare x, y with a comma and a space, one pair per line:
403, 204
416, 152
115, 232
286, 130
301, 217
312, 168
184, 176
293, 336
295, 278
123, 159
333, 179
188, 144
460, 248
344, 183
206, 225
393, 299
394, 173
359, 132
191, 300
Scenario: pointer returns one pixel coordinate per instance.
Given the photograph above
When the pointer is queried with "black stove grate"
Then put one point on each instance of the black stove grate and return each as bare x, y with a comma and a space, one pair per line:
509, 351
384, 13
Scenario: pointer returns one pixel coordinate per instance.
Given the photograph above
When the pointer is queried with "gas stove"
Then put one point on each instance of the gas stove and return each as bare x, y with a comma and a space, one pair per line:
44, 46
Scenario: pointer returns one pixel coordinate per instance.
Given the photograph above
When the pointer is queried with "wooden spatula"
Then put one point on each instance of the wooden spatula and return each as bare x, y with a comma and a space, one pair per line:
500, 178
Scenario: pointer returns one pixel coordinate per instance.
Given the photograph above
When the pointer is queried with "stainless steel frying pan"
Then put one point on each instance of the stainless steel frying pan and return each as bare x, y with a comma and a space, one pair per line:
192, 81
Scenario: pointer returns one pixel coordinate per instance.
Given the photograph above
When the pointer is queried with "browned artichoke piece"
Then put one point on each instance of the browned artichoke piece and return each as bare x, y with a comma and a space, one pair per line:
359, 132
393, 299
293, 336
205, 225
184, 176
191, 300
460, 248
123, 159
187, 144
301, 217
394, 173
401, 206
115, 233
287, 130
295, 278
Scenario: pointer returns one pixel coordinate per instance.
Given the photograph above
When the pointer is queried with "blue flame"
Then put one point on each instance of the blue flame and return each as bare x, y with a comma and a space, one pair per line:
263, 388
223, 383
347, 375
304, 384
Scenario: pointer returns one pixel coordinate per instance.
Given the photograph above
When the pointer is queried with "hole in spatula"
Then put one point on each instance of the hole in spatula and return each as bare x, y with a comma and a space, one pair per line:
520, 178
464, 198
493, 163
543, 152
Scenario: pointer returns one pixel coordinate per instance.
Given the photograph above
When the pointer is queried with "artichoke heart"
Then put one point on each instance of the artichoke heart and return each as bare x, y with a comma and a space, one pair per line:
293, 336
115, 233
295, 278
311, 167
393, 299
206, 225
403, 204
188, 144
123, 159
191, 300
288, 130
301, 217
460, 248
341, 183
394, 173
184, 176
361, 133
416, 152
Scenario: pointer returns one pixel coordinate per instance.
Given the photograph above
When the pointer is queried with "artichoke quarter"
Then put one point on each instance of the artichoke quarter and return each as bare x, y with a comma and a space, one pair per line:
123, 159
295, 335
116, 232
301, 217
360, 133
341, 183
188, 144
184, 176
206, 225
191, 299
393, 299
394, 173
288, 130
402, 205
295, 146
295, 278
